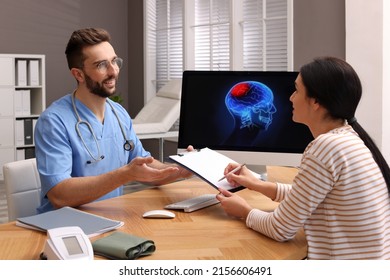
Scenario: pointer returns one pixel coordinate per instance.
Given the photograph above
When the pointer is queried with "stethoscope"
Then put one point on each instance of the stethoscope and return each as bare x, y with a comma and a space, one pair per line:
128, 145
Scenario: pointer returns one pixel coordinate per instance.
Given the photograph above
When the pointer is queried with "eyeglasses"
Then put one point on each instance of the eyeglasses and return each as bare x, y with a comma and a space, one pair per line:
103, 66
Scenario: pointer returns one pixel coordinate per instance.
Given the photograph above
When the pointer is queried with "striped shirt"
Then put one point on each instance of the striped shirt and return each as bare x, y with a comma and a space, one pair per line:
340, 198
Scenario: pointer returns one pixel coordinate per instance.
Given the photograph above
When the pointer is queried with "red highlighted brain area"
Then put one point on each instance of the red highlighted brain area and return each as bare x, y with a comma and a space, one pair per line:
240, 89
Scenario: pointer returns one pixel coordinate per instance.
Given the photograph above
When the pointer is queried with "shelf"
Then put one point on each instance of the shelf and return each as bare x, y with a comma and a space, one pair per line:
23, 98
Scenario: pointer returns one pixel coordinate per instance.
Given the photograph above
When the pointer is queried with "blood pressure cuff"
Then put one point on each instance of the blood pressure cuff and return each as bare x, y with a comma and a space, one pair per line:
123, 246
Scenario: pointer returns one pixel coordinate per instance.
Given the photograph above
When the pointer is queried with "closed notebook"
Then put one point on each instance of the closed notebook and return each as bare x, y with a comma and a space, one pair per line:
67, 216
123, 246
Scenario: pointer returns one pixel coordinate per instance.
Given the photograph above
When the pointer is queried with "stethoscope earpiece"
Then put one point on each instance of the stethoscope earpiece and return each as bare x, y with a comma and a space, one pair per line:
99, 159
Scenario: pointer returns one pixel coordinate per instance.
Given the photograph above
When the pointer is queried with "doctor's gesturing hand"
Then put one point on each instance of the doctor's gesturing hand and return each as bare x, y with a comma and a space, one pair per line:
139, 169
148, 170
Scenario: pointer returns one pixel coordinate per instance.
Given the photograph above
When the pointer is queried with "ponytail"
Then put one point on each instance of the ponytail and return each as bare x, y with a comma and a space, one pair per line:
377, 155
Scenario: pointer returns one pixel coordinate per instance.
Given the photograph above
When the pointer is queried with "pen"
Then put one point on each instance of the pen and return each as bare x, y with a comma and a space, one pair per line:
234, 170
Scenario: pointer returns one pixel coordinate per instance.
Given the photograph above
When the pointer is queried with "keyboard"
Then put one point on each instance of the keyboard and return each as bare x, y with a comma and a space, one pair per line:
194, 203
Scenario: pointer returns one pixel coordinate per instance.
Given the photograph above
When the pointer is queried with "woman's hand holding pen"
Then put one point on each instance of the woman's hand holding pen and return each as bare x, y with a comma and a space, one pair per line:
243, 177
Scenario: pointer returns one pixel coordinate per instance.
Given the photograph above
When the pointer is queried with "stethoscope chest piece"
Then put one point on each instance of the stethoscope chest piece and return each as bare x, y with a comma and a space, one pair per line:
128, 146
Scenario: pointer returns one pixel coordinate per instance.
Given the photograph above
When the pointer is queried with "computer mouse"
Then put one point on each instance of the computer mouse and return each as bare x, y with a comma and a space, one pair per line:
160, 214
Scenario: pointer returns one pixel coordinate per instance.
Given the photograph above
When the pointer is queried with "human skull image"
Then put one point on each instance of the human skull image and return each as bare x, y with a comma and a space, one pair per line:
252, 103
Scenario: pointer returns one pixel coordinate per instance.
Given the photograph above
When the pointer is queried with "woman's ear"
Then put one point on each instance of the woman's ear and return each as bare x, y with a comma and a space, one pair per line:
315, 104
78, 74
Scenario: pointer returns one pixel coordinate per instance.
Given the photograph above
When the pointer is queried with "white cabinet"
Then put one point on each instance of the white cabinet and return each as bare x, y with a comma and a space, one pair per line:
22, 100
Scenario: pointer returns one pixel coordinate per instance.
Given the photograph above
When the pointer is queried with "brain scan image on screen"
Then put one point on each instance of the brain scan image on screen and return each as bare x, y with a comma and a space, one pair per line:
246, 115
252, 105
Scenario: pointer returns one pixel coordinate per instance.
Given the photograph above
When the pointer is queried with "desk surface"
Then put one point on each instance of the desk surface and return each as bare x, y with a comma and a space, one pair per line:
204, 234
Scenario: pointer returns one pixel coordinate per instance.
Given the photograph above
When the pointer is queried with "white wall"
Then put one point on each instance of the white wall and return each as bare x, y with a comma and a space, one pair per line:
386, 81
367, 50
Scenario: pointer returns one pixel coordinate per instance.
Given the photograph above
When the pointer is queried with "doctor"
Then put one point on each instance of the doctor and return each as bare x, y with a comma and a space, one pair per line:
86, 148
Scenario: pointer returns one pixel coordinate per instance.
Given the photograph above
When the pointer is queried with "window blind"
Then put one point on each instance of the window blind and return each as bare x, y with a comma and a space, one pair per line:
265, 41
212, 35
169, 40
263, 33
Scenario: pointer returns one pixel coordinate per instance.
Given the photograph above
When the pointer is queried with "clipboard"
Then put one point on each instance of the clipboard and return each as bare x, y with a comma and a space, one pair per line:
207, 164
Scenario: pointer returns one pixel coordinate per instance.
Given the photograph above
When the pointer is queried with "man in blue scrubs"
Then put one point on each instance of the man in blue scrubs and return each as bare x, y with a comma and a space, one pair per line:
80, 139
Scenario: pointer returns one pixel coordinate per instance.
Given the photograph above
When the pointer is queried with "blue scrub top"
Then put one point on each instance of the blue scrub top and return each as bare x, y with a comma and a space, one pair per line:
61, 154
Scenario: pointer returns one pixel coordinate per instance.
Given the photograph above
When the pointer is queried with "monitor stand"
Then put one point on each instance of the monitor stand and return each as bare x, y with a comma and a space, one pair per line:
259, 169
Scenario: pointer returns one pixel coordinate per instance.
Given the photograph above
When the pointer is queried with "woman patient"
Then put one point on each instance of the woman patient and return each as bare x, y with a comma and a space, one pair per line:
340, 195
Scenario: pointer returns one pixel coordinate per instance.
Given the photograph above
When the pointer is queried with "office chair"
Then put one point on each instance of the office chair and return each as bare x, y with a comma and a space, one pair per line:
161, 112
22, 186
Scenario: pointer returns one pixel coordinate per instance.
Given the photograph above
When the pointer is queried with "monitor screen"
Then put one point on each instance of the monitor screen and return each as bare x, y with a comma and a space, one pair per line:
240, 111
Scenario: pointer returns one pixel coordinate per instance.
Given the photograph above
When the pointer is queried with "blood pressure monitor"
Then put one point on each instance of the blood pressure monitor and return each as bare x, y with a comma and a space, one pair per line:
67, 243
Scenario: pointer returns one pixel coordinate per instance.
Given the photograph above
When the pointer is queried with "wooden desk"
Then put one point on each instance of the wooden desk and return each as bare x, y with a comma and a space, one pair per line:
204, 234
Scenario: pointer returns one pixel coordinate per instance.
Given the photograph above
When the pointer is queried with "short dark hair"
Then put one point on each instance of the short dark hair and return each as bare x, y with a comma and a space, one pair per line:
79, 40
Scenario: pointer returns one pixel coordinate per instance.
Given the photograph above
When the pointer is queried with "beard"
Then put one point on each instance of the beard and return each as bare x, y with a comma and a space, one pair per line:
98, 88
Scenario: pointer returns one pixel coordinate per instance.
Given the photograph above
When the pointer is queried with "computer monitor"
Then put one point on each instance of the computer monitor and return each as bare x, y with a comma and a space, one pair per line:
246, 115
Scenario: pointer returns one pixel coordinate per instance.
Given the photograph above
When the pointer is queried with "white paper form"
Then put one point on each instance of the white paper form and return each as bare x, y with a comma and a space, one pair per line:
208, 164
